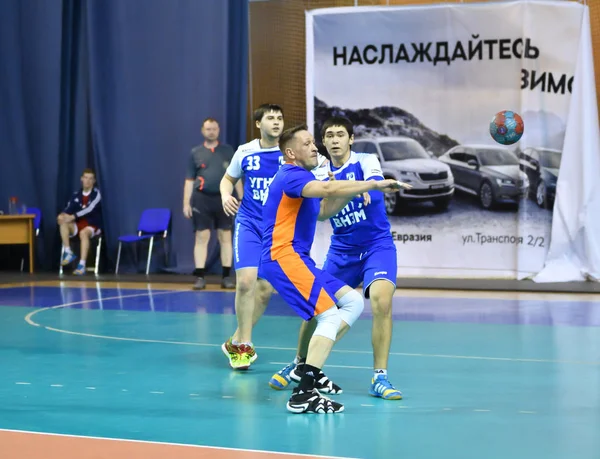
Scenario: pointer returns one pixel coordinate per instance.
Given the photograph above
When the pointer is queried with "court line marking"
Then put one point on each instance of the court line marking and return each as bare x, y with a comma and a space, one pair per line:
584, 296
94, 300
28, 319
129, 440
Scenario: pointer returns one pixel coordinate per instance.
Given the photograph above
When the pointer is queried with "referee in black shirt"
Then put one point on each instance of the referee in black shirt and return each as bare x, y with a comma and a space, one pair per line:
202, 201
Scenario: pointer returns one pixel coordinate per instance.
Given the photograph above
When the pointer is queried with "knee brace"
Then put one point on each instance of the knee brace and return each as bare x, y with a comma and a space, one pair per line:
351, 307
328, 323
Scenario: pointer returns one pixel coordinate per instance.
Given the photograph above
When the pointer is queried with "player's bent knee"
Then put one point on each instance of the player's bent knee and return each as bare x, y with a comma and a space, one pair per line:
246, 281
381, 307
328, 323
351, 306
263, 288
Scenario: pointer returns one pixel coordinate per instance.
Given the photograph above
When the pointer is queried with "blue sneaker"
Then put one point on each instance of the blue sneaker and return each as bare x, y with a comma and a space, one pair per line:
381, 387
68, 258
80, 271
282, 378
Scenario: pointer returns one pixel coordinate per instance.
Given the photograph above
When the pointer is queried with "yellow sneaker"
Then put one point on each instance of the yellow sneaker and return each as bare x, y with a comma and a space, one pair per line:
240, 356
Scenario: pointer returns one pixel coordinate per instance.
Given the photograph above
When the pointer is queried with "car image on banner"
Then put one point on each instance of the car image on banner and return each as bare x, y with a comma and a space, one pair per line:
491, 173
404, 159
541, 166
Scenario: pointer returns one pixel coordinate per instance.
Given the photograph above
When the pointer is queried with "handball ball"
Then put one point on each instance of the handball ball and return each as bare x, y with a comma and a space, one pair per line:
506, 127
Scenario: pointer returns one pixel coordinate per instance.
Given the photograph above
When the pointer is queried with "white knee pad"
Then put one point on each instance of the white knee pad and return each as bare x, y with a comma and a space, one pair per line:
351, 307
328, 323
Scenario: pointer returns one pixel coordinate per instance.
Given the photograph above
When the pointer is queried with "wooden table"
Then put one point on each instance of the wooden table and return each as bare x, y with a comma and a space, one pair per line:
18, 229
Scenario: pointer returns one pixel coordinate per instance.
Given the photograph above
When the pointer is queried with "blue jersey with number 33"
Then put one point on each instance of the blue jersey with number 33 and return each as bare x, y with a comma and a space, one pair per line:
259, 166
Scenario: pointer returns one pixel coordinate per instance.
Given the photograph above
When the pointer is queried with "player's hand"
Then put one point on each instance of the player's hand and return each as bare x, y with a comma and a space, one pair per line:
187, 211
390, 185
230, 205
366, 198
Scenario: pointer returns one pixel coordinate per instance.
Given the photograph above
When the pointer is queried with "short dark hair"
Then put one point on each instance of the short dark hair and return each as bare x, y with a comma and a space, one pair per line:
288, 135
88, 170
212, 120
338, 121
266, 108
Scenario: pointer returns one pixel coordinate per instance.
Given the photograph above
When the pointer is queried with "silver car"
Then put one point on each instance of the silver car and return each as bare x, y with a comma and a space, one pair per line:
489, 172
403, 158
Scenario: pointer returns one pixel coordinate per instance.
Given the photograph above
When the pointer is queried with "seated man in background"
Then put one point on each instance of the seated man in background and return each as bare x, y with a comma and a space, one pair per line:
83, 216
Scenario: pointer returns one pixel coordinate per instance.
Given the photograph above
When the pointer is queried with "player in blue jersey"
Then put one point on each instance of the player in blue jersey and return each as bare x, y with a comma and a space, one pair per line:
361, 250
257, 161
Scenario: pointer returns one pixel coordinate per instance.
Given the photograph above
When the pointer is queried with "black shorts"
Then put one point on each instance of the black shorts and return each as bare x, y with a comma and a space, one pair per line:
208, 213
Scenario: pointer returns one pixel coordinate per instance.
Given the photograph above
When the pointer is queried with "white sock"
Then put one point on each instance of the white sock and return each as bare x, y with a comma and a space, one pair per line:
380, 372
68, 250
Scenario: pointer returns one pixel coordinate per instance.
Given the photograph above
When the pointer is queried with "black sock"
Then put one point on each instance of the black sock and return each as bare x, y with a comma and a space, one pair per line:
307, 383
226, 271
199, 272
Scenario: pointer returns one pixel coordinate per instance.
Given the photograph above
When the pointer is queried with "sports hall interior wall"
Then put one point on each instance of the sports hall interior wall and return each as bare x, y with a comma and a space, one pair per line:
277, 51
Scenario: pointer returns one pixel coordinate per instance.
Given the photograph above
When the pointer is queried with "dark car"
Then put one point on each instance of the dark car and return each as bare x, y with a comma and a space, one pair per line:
491, 173
541, 166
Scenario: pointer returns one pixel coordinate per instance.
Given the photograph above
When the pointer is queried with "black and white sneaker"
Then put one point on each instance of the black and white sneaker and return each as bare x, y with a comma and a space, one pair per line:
312, 402
323, 384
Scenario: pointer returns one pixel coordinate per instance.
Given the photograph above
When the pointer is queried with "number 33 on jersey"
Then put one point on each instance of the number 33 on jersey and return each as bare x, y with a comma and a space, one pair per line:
258, 166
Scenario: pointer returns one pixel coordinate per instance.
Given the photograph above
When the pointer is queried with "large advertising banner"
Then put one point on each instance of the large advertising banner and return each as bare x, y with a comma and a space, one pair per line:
421, 85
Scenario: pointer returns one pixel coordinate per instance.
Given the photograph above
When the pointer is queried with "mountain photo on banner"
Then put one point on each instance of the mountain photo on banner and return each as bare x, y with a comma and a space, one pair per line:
477, 208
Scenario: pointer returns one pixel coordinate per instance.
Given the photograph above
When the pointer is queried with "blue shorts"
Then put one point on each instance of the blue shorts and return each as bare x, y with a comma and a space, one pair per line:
367, 267
247, 245
306, 288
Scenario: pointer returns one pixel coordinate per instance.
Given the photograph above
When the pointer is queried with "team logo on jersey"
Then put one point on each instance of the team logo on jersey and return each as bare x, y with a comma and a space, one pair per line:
349, 215
350, 176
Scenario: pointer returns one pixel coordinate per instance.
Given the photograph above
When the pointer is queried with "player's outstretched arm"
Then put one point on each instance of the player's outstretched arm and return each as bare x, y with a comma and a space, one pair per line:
348, 188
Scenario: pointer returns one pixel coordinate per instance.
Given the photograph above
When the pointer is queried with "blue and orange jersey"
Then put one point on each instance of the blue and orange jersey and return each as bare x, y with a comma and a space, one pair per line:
289, 220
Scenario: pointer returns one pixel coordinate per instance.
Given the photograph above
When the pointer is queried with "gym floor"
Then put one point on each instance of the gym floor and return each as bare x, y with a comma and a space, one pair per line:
132, 370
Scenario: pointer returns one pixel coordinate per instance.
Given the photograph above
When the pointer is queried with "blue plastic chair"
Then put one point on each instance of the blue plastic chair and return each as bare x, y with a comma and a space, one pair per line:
37, 220
153, 223
36, 225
